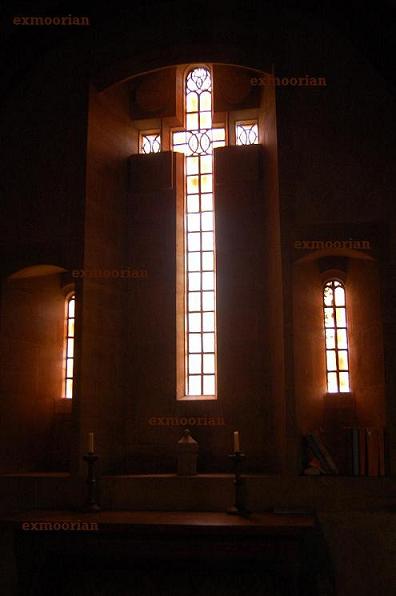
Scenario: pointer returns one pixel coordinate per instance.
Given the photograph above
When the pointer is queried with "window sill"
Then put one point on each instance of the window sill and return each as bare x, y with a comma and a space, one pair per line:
63, 405
339, 400
187, 398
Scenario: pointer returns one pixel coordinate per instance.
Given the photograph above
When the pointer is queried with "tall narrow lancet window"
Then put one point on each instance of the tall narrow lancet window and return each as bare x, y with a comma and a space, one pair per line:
335, 321
197, 142
69, 345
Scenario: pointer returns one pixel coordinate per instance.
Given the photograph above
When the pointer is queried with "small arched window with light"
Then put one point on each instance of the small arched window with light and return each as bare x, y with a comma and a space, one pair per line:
69, 345
336, 333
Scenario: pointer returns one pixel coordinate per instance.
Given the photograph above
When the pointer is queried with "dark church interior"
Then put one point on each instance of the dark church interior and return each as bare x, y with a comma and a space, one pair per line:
197, 302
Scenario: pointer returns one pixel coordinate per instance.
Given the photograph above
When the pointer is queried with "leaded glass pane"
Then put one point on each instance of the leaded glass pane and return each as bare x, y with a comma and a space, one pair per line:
194, 301
192, 102
344, 381
69, 388
329, 317
206, 164
70, 328
194, 322
342, 339
69, 368
331, 360
194, 384
195, 363
192, 121
194, 261
193, 222
194, 241
208, 363
192, 184
195, 342
207, 241
340, 317
206, 101
208, 321
207, 221
194, 281
150, 143
206, 183
330, 339
193, 204
208, 300
328, 296
339, 296
70, 347
207, 202
332, 382
246, 133
342, 359
208, 280
208, 342
207, 261
208, 385
205, 120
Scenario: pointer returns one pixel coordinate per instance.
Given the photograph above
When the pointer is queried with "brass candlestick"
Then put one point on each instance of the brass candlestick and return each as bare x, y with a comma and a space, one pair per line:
91, 505
239, 507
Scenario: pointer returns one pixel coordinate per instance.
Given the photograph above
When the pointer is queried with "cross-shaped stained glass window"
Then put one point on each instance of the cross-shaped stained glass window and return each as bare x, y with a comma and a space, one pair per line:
197, 143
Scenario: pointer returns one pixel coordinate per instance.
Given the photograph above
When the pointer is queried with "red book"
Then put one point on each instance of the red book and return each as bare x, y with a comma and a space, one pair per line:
362, 452
355, 451
372, 452
381, 446
348, 451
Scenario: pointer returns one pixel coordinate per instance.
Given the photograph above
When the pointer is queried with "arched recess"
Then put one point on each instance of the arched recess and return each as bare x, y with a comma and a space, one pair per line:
32, 435
364, 405
143, 191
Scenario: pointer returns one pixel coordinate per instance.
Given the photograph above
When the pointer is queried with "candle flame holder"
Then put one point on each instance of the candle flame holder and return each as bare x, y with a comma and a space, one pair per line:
239, 507
91, 505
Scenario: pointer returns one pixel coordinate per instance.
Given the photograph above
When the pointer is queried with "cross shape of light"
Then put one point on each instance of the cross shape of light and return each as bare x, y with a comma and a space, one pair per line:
197, 142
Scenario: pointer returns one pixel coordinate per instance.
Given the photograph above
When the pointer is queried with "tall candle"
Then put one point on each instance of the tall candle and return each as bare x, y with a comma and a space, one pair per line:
91, 442
236, 441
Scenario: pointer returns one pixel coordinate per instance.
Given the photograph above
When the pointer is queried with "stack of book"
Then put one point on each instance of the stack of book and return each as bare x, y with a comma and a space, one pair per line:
352, 451
367, 452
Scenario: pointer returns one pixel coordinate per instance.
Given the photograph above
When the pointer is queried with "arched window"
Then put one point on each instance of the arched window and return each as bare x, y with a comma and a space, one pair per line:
69, 345
336, 331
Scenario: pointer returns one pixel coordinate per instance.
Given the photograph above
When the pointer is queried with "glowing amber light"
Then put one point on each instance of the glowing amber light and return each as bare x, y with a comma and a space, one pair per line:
197, 143
69, 341
335, 323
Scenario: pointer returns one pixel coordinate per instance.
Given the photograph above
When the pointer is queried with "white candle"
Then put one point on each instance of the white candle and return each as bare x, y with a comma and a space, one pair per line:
236, 441
91, 442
